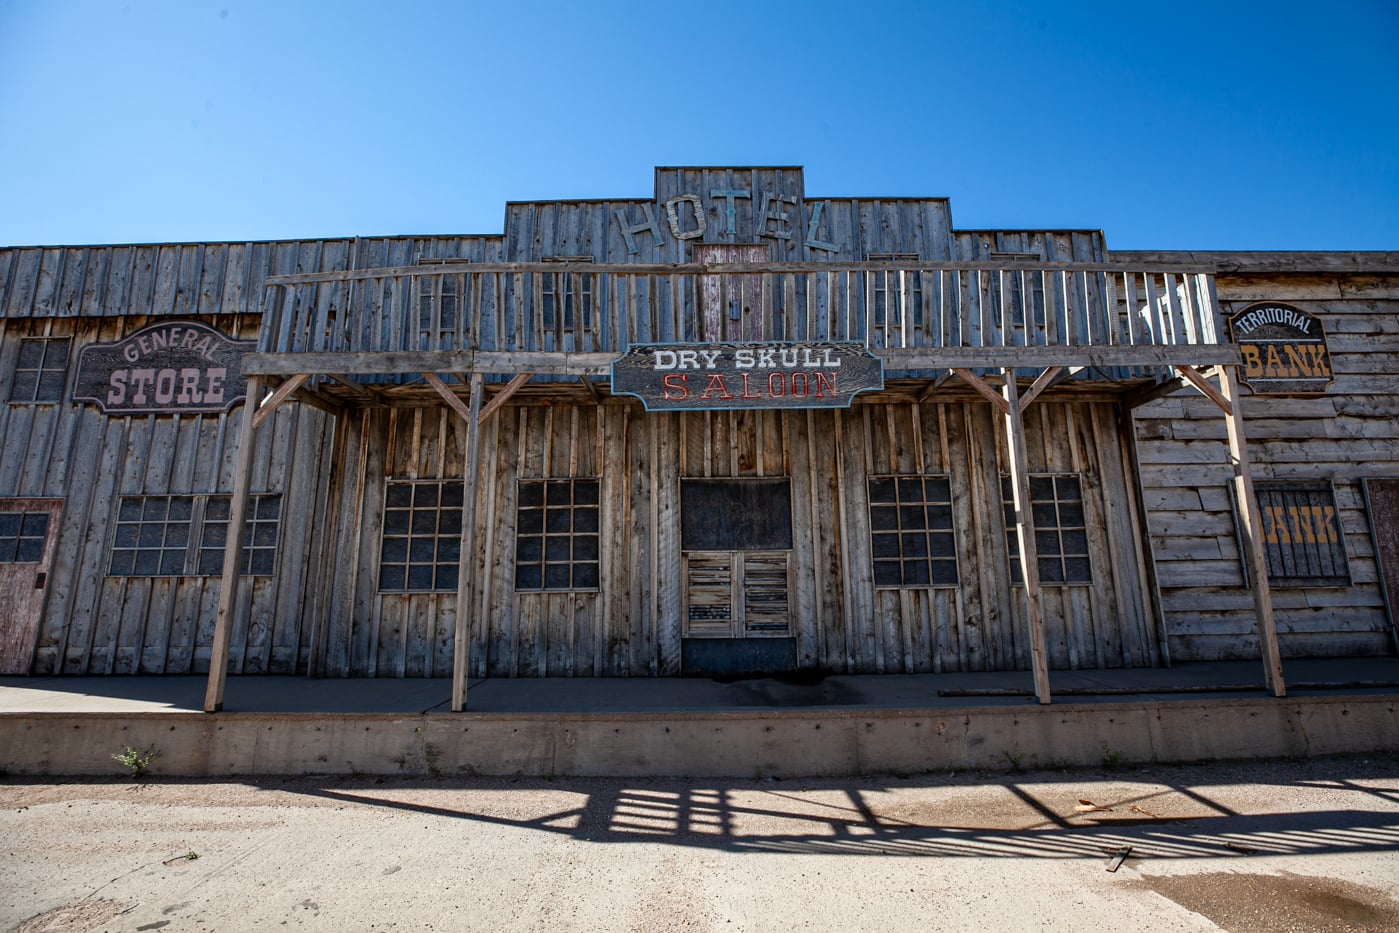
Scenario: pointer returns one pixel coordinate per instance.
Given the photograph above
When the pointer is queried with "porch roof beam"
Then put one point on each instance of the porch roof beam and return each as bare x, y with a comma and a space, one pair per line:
514, 362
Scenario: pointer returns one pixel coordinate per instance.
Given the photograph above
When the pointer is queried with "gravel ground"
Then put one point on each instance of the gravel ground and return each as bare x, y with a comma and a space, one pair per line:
1269, 846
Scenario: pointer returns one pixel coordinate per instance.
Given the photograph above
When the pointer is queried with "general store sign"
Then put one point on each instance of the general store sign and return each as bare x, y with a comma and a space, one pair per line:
717, 376
175, 367
1284, 349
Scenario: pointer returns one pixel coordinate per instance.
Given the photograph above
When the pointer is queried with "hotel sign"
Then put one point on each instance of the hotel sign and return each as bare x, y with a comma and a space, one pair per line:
1284, 349
176, 367
719, 376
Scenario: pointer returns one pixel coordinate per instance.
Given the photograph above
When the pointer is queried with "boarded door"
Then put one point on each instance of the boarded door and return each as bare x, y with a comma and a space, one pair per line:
736, 540
28, 530
731, 306
1382, 502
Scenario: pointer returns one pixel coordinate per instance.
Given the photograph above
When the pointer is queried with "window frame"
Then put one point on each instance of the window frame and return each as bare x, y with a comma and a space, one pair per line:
914, 535
565, 298
1274, 558
549, 535
908, 283
187, 558
1081, 557
38, 373
446, 541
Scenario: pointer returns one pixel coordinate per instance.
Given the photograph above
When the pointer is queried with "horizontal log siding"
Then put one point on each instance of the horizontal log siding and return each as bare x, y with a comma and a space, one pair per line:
98, 624
631, 626
1347, 434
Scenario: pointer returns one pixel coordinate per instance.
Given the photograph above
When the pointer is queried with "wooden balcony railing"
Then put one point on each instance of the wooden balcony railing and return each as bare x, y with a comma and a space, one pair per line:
919, 314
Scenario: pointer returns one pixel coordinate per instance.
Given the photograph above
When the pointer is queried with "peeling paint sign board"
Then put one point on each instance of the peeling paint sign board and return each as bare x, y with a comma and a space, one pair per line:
175, 367
720, 376
1284, 349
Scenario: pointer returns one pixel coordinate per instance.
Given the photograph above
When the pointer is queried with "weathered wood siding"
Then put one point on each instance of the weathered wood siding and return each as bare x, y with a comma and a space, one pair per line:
1350, 432
632, 625
95, 623
195, 278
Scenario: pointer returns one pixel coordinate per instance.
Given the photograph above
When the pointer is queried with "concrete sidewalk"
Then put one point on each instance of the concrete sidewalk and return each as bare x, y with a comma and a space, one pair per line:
567, 695
840, 725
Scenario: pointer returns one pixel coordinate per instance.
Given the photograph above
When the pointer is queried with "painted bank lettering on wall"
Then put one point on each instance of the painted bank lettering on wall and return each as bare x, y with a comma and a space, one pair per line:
175, 368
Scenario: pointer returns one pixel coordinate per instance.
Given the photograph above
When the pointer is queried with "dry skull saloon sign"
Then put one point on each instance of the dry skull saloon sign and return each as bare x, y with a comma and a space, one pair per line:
177, 367
716, 376
1284, 349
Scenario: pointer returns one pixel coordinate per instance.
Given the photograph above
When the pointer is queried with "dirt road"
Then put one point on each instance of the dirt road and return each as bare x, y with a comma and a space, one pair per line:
1276, 846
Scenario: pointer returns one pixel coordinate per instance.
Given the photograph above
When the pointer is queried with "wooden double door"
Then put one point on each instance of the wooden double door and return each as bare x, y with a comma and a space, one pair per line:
736, 546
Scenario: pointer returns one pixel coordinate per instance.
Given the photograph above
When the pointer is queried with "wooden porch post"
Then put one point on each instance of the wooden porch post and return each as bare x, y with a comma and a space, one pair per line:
1251, 533
461, 653
1019, 461
233, 550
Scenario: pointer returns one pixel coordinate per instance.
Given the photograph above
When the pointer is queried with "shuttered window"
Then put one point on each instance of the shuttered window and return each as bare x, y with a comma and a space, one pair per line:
172, 536
736, 594
1061, 534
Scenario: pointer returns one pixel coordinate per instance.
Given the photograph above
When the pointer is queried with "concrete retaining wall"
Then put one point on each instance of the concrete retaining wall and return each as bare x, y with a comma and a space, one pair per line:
784, 743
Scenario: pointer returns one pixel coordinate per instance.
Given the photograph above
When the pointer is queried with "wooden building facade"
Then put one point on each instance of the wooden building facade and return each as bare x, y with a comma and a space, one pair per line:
449, 472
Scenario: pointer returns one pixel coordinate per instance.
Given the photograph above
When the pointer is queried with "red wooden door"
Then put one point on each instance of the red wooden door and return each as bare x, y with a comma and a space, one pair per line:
28, 532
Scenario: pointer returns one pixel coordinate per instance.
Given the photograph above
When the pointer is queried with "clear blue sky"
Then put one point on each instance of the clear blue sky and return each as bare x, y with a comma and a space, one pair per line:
1210, 125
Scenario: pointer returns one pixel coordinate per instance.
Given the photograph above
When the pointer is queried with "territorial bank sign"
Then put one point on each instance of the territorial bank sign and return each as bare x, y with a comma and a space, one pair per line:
1283, 348
716, 376
177, 367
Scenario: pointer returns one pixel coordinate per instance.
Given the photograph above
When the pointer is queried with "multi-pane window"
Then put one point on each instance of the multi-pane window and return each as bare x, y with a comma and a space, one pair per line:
41, 369
263, 518
911, 535
1302, 539
556, 535
22, 537
896, 292
1061, 534
438, 301
171, 536
564, 296
420, 550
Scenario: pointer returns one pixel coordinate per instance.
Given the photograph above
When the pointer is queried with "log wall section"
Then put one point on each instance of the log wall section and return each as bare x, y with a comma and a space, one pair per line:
1342, 436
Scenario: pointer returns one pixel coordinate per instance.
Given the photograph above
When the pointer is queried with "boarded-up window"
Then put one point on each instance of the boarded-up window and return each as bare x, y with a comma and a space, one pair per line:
420, 548
911, 535
556, 535
171, 536
735, 514
1061, 533
1302, 539
41, 370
